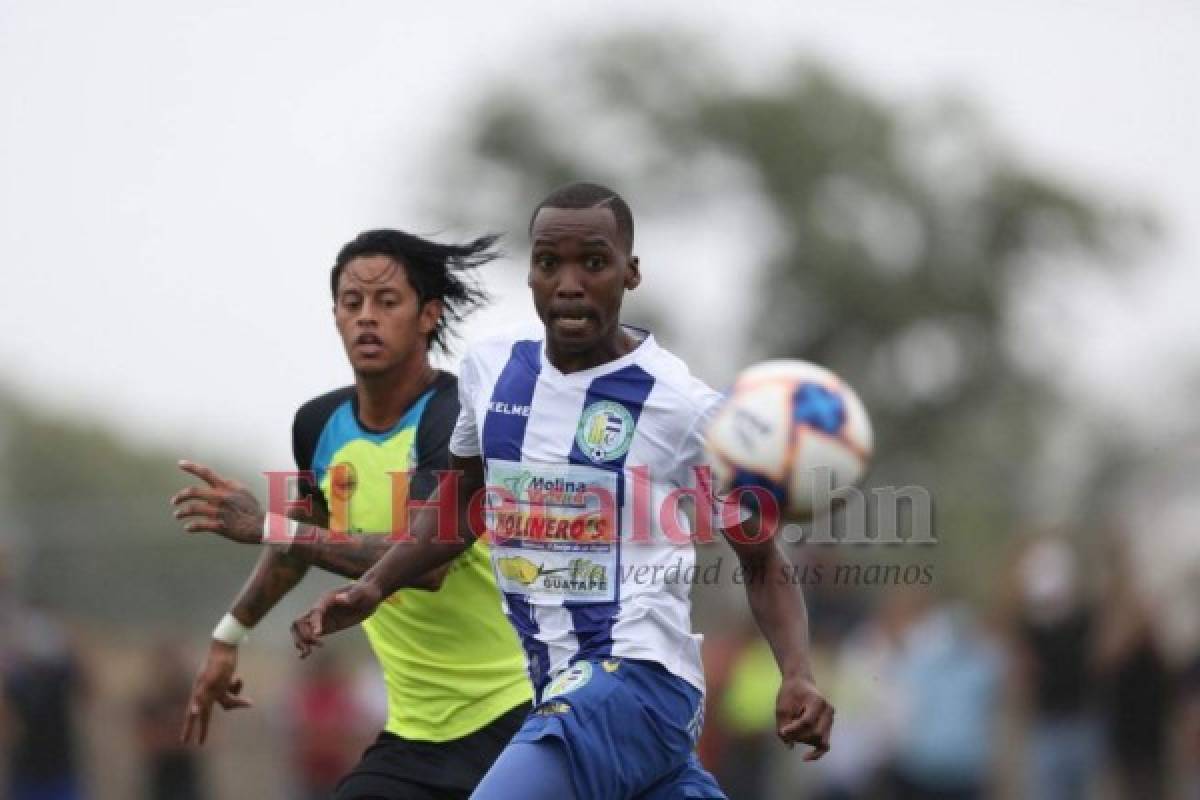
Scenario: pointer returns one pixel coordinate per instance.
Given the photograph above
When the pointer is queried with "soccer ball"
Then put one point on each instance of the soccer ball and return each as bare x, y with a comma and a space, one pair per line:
792, 428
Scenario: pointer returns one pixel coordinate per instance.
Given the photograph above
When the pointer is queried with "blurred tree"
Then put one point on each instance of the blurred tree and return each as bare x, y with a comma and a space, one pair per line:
86, 520
890, 241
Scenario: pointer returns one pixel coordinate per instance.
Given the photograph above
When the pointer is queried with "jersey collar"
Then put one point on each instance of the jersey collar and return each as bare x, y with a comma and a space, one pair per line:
646, 344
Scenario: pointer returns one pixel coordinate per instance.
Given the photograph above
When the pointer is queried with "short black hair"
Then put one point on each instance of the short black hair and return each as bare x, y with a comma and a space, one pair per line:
583, 194
436, 271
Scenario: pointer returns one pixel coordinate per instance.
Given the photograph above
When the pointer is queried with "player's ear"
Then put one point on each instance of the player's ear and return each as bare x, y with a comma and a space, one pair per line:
633, 276
431, 312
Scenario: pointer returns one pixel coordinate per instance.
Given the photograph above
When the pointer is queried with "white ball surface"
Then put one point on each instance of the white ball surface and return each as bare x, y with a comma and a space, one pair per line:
793, 428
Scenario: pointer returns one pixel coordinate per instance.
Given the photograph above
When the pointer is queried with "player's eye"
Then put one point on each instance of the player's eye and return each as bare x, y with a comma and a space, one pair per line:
544, 261
595, 262
351, 301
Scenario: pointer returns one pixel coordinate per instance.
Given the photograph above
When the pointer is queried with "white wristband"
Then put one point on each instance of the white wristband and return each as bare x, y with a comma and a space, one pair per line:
230, 631
290, 527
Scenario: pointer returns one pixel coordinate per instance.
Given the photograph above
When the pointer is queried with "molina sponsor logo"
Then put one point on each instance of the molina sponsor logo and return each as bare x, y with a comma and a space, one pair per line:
530, 487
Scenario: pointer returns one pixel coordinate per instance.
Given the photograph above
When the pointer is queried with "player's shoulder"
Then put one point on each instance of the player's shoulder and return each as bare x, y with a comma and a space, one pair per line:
443, 398
492, 351
446, 383
311, 419
438, 416
674, 383
313, 414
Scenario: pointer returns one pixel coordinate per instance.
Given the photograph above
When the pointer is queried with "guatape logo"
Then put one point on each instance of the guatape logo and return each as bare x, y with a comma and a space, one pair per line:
580, 574
519, 569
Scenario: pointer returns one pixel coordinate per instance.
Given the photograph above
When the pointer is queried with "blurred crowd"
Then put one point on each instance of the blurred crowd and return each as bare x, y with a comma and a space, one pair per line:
1062, 689
51, 716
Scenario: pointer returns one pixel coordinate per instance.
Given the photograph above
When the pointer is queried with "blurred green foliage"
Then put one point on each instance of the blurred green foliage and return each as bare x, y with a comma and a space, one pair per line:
892, 242
89, 532
898, 238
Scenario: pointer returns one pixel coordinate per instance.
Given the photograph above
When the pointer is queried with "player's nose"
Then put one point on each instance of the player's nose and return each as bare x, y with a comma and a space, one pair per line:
569, 284
367, 315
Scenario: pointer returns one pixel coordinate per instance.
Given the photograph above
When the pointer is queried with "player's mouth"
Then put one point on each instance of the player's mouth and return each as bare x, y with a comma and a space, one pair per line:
572, 323
368, 344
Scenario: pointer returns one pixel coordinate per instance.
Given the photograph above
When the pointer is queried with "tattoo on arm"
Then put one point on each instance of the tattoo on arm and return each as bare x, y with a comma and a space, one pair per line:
275, 575
348, 556
352, 555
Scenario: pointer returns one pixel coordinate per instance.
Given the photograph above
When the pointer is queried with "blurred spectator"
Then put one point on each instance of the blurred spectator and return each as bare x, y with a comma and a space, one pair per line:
832, 610
42, 684
326, 730
172, 770
721, 652
948, 678
863, 689
1191, 730
1053, 647
747, 717
1136, 682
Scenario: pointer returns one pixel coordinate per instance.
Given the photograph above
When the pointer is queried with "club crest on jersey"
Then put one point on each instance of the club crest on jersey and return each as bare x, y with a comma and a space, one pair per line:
343, 480
569, 680
605, 431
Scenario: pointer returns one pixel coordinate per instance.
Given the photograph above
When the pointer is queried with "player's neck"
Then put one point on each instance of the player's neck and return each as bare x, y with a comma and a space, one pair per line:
608, 349
384, 398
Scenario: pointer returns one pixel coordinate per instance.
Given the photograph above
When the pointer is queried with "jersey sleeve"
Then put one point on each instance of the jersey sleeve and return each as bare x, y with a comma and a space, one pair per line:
433, 439
693, 457
464, 442
705, 402
306, 428
307, 425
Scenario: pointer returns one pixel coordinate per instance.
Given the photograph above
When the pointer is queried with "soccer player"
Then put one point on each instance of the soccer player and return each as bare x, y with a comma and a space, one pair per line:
547, 430
456, 680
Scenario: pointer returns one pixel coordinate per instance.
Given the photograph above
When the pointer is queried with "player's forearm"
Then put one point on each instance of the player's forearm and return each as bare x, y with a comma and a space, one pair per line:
777, 604
350, 557
276, 574
406, 561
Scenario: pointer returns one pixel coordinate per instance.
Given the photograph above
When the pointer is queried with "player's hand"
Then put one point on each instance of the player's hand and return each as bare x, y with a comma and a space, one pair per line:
803, 715
221, 506
217, 682
336, 610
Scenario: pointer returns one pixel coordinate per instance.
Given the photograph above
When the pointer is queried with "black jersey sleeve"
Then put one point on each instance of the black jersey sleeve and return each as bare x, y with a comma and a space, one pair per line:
433, 436
307, 425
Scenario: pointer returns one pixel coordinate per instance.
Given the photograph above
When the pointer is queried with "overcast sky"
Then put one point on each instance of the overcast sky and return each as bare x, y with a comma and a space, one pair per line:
175, 178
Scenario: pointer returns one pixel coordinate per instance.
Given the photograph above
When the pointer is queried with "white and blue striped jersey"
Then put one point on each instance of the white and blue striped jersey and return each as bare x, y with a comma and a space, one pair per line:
568, 458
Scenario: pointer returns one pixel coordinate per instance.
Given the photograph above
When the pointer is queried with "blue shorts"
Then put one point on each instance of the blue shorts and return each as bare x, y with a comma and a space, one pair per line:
628, 728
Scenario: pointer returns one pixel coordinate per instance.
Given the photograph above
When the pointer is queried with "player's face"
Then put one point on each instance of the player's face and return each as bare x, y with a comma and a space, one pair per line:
380, 317
579, 270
